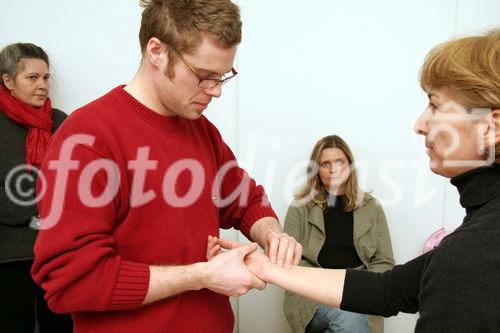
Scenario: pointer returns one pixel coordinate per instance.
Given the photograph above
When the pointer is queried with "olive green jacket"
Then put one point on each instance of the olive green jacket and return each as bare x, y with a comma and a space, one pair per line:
371, 241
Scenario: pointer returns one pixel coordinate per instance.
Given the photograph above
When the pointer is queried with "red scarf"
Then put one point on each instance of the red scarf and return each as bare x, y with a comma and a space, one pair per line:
38, 121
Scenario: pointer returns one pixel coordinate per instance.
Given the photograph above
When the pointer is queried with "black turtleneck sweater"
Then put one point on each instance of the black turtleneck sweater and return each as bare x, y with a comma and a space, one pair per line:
456, 286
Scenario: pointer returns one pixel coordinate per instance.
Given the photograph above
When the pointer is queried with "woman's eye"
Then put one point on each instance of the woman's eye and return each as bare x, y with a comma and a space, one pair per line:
324, 165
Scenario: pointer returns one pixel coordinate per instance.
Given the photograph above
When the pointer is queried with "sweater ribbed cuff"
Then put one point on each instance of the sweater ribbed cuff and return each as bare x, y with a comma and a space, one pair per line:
357, 285
252, 215
131, 286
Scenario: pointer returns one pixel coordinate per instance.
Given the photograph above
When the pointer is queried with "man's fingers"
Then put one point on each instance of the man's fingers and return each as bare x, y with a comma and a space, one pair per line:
272, 251
298, 254
216, 250
213, 248
282, 251
290, 253
246, 249
258, 283
228, 244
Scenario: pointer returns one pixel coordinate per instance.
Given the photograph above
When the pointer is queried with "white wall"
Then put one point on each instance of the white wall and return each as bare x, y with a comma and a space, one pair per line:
307, 69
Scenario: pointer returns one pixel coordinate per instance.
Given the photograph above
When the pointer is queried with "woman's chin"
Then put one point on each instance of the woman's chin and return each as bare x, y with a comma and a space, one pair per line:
447, 172
436, 167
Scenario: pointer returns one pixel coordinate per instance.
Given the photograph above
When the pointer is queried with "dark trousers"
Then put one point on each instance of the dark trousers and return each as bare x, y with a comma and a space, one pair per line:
21, 301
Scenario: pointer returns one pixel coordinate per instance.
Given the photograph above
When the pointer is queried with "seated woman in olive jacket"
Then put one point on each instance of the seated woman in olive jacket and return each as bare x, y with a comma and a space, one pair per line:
339, 226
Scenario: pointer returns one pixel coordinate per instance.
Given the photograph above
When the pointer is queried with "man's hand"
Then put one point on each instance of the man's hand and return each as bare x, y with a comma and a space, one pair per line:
255, 261
213, 248
281, 248
227, 273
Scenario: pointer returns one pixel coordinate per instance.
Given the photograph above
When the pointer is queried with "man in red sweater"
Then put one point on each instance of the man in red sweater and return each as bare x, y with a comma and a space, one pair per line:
137, 180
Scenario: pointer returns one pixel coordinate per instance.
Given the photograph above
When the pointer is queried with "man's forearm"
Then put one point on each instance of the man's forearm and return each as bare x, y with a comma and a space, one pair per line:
225, 274
167, 281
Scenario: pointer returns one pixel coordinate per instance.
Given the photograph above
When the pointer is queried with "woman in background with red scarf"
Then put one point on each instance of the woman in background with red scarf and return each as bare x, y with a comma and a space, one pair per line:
27, 121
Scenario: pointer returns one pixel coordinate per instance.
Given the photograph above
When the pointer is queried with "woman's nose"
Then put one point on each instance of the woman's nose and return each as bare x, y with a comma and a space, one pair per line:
43, 84
420, 126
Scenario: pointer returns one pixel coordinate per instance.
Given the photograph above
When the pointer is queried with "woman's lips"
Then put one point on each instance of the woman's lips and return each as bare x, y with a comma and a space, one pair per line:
429, 149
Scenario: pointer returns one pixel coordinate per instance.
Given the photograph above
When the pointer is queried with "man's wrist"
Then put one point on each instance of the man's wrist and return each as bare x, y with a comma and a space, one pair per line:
262, 228
201, 274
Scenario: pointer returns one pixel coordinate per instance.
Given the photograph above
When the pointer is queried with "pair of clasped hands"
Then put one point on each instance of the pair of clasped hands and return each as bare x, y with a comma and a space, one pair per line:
245, 266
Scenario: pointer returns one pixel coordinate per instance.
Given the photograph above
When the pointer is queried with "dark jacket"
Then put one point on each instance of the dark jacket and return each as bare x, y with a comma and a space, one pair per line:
16, 236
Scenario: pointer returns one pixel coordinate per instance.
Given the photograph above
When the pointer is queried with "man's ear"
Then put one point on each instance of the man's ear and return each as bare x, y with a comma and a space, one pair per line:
155, 52
7, 81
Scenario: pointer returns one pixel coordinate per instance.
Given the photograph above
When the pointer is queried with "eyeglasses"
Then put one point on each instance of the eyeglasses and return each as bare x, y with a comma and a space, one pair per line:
205, 82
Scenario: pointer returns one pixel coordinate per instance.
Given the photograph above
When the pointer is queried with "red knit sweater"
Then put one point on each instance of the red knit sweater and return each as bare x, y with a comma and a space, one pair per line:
94, 262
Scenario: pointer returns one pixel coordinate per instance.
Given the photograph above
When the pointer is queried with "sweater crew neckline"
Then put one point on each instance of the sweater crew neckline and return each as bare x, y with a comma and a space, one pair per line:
147, 114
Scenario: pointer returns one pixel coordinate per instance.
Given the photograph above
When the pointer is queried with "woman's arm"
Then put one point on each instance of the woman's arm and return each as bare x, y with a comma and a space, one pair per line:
383, 294
321, 285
